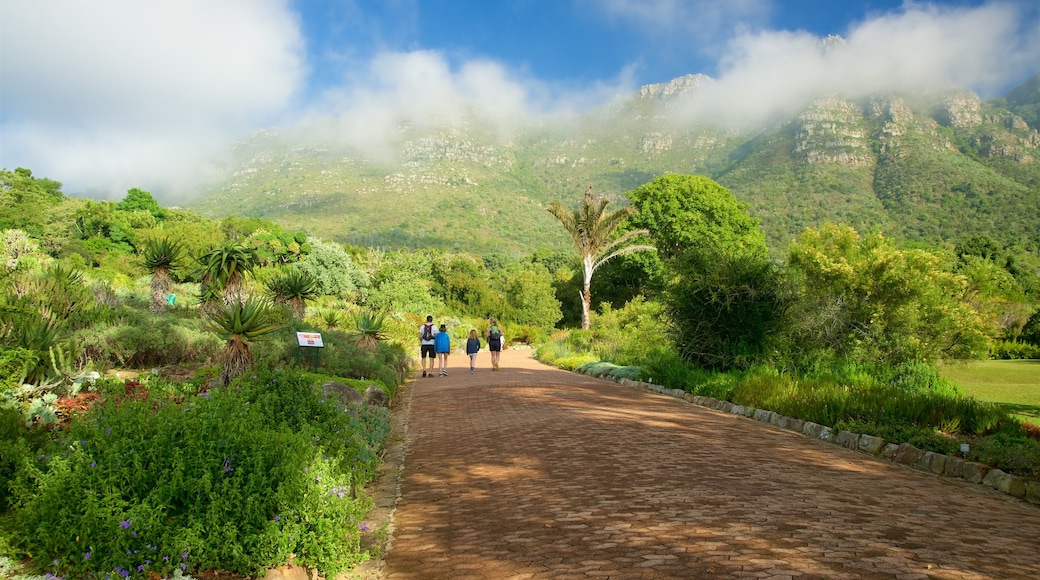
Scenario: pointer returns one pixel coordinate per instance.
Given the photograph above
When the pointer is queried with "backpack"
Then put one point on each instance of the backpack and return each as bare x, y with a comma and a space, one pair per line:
427, 332
495, 333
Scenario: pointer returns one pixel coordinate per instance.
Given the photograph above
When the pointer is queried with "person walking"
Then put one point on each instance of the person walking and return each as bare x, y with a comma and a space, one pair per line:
472, 348
427, 334
494, 340
443, 344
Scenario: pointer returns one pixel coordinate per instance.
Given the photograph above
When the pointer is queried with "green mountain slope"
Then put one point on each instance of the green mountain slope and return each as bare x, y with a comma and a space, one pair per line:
926, 167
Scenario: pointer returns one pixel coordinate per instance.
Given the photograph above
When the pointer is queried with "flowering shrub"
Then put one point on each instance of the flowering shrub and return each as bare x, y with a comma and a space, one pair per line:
237, 479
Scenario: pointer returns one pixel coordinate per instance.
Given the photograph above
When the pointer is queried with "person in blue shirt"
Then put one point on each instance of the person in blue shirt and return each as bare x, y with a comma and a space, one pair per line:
442, 343
472, 348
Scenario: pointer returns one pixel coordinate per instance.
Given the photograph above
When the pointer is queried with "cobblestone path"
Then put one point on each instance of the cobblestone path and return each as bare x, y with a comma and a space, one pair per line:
535, 473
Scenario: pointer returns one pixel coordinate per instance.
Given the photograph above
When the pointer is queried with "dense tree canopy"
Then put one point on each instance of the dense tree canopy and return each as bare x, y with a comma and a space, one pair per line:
685, 211
863, 297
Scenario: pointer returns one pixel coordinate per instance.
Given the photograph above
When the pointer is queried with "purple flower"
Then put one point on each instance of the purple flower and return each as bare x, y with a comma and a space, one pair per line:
125, 524
364, 527
122, 572
86, 556
93, 464
184, 555
140, 567
278, 518
227, 464
184, 566
108, 431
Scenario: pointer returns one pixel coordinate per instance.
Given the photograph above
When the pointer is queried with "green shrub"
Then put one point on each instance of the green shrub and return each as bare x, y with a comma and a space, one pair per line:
145, 340
238, 479
574, 362
18, 445
1013, 350
597, 368
627, 372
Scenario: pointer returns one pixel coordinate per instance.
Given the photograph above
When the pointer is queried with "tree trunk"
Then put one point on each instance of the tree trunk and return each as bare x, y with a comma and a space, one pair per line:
586, 304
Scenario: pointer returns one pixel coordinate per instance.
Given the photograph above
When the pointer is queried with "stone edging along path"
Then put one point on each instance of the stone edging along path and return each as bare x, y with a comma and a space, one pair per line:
903, 453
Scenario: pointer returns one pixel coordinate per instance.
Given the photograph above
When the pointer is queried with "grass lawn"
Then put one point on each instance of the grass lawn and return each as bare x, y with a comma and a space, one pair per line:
1013, 384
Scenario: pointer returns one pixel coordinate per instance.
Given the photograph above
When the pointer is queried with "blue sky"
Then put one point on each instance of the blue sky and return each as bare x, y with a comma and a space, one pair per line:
112, 94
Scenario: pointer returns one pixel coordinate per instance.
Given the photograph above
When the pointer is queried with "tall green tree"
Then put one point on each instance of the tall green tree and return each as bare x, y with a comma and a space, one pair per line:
140, 200
593, 229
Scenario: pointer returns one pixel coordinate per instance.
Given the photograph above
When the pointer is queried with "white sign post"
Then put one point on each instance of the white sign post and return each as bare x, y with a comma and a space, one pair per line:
309, 345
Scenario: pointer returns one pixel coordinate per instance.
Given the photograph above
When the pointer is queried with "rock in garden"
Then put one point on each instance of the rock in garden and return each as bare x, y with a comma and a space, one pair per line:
345, 393
376, 396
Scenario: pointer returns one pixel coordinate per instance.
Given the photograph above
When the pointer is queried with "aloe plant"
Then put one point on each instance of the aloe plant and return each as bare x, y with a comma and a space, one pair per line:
369, 330
294, 288
240, 324
223, 271
331, 318
159, 258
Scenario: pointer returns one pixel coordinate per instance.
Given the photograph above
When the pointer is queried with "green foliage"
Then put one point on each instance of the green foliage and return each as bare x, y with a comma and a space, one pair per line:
19, 445
293, 287
867, 299
368, 330
240, 324
143, 340
334, 271
223, 270
627, 335
404, 291
162, 253
238, 480
725, 308
160, 257
385, 363
681, 212
25, 200
1012, 350
594, 232
140, 200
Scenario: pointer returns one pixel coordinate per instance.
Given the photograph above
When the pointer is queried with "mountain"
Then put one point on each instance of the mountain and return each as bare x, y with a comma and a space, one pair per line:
930, 167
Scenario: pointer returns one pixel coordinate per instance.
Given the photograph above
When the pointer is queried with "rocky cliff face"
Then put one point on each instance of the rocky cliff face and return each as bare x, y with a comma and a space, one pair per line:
838, 159
832, 130
675, 87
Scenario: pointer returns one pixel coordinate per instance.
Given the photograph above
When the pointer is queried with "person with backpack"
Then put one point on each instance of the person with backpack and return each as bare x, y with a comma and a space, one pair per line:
427, 334
494, 340
443, 344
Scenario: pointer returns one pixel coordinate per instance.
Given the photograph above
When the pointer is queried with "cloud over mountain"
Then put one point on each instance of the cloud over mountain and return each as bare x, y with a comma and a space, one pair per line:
118, 94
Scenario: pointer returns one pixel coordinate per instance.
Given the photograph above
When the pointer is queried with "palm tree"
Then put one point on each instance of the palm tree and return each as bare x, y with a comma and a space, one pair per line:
591, 228
159, 258
223, 273
240, 324
294, 288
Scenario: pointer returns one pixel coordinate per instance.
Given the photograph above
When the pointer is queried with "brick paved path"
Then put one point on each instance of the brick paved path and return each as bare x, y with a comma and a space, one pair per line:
531, 472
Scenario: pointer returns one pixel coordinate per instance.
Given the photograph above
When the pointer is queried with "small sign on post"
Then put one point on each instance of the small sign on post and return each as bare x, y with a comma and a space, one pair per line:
309, 345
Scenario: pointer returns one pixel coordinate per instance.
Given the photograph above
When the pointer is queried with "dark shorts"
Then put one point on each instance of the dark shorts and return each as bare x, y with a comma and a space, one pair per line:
495, 345
426, 351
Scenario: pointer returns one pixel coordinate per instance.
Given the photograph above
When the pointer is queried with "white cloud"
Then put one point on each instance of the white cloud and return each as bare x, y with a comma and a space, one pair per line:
424, 89
122, 93
114, 94
919, 48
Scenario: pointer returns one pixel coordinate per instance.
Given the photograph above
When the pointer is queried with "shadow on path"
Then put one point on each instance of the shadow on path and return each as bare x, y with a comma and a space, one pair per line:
531, 472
